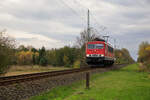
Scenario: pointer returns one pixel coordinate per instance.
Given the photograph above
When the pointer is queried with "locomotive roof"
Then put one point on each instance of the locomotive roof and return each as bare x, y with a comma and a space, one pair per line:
99, 39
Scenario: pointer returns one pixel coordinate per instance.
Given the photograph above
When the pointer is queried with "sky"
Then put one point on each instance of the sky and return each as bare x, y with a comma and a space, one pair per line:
55, 23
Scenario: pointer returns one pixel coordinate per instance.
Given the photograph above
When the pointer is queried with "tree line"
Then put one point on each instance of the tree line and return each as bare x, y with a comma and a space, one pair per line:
123, 56
65, 56
73, 57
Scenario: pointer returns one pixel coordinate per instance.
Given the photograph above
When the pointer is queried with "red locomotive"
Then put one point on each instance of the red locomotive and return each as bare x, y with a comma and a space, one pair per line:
99, 52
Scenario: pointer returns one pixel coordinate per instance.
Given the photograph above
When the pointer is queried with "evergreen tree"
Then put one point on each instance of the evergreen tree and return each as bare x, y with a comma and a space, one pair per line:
42, 58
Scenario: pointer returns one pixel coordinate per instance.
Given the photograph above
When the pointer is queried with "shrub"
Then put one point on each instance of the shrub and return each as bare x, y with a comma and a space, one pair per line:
76, 64
43, 62
66, 61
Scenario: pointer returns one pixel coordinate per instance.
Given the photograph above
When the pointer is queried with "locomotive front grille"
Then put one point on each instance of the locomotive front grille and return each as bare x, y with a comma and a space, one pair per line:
94, 55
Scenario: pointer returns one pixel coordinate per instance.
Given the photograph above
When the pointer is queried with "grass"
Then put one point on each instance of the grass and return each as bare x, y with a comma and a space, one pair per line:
124, 84
18, 70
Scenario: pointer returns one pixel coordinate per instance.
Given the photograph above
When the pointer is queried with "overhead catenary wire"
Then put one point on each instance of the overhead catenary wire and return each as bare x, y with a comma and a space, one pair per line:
101, 28
73, 11
83, 10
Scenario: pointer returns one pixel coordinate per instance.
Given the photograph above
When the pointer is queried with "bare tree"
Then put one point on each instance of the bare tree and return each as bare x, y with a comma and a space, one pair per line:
84, 37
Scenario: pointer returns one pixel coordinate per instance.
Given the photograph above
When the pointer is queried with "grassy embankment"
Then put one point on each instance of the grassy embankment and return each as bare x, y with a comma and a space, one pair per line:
124, 84
18, 70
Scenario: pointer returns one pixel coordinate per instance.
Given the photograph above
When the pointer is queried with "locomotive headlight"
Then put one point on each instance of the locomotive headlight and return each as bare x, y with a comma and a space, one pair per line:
87, 55
102, 55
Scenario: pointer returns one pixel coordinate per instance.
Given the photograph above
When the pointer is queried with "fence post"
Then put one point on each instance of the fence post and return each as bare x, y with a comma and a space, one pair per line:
87, 80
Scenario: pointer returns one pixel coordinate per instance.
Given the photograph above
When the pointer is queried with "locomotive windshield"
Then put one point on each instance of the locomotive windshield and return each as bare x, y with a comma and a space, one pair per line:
99, 46
95, 46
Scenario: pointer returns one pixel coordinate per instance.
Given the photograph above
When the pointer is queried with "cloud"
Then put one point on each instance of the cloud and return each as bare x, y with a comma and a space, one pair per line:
53, 23
35, 40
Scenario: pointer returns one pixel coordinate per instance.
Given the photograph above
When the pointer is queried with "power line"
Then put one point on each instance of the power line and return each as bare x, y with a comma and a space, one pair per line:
74, 11
101, 28
69, 7
80, 5
96, 22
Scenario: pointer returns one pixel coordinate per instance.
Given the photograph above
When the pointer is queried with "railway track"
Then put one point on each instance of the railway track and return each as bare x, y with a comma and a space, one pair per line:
8, 80
29, 77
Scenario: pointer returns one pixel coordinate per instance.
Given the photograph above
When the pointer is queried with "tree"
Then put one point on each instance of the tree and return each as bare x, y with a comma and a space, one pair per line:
59, 57
84, 37
144, 54
66, 61
33, 59
142, 51
42, 57
22, 48
25, 57
65, 56
51, 57
34, 50
7, 45
123, 56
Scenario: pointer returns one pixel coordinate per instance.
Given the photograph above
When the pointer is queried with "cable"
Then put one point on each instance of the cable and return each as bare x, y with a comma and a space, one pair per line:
74, 11
101, 28
96, 22
79, 5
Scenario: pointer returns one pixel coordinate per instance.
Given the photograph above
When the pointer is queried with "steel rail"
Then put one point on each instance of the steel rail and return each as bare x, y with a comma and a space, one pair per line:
34, 76
8, 80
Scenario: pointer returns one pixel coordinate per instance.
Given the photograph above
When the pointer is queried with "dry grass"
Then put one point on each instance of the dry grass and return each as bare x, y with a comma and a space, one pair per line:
141, 67
18, 70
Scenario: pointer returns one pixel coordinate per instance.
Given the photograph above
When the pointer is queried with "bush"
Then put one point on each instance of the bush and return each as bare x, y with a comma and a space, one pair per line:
76, 64
66, 61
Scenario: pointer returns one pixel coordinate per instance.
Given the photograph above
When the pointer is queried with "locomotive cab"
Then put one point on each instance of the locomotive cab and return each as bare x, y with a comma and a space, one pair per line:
99, 52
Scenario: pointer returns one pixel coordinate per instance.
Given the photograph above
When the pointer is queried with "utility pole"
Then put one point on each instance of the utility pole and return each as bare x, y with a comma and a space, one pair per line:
88, 25
87, 80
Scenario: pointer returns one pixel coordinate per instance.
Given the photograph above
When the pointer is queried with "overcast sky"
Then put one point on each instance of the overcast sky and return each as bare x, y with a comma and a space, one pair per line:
55, 23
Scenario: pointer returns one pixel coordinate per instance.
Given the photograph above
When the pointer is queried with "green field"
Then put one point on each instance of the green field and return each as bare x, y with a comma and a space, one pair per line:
124, 84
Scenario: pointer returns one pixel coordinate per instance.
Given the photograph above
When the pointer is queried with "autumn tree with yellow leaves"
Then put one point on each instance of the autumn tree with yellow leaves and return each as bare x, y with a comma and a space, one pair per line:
144, 54
123, 56
25, 57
